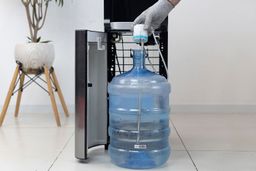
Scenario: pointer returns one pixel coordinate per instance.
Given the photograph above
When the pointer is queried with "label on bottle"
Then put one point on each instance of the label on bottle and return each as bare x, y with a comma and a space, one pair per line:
140, 146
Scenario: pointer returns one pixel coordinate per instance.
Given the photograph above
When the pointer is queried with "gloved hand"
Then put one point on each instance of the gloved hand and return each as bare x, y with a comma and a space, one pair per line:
154, 15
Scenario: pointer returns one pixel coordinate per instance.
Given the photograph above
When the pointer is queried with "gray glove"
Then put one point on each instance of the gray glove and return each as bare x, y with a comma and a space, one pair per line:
154, 15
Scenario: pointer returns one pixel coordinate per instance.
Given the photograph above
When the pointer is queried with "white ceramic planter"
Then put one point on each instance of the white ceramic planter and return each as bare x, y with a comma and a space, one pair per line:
35, 55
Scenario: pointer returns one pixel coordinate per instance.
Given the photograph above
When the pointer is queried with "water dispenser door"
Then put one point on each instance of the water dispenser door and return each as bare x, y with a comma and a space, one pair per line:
91, 91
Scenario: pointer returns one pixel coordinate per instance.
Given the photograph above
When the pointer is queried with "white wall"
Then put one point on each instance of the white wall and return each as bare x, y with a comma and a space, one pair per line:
213, 52
212, 49
60, 26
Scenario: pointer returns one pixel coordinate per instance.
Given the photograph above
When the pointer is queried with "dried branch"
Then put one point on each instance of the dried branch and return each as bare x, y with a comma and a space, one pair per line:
44, 17
26, 4
36, 11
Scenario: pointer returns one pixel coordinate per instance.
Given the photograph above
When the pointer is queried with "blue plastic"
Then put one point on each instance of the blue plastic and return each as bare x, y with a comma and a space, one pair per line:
141, 38
139, 117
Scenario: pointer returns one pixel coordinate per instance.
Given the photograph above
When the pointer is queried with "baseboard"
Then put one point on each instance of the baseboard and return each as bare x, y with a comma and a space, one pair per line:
213, 109
40, 109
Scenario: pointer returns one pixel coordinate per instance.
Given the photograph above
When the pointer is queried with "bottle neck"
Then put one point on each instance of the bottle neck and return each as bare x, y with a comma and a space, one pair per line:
138, 59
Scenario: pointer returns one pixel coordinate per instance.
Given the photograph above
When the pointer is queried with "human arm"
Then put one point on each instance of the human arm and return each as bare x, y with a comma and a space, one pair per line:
156, 14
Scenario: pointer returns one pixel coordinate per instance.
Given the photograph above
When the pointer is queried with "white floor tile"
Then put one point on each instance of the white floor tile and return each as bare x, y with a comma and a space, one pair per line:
217, 132
31, 148
175, 140
16, 161
34, 140
37, 120
224, 161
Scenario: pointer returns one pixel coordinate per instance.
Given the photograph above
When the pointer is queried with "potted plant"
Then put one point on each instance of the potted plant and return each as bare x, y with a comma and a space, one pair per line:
36, 53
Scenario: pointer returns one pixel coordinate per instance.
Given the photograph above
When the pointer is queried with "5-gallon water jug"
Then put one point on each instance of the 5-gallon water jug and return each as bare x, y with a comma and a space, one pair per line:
139, 117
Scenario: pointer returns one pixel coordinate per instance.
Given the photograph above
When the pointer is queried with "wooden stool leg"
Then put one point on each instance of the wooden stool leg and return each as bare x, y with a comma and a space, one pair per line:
9, 95
54, 106
63, 103
22, 79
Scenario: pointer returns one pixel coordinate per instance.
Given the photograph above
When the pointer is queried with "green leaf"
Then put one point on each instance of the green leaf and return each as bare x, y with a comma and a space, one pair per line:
46, 41
58, 2
29, 39
38, 39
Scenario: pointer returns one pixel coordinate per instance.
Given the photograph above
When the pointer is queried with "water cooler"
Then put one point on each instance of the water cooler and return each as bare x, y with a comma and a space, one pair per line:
100, 56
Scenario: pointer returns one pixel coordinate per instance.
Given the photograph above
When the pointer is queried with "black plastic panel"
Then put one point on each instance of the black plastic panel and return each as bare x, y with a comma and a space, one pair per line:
125, 10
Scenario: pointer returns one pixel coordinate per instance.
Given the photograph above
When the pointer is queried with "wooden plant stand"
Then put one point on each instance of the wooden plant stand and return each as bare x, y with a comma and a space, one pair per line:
52, 84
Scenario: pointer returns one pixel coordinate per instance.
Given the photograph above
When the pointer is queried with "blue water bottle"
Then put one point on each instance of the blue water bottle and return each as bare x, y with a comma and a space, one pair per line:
139, 117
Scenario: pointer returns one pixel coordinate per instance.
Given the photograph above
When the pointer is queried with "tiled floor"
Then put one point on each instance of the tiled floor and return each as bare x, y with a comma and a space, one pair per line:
221, 142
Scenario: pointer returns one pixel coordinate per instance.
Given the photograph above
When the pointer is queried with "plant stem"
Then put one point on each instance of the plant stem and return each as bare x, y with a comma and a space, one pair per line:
29, 21
36, 21
44, 17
